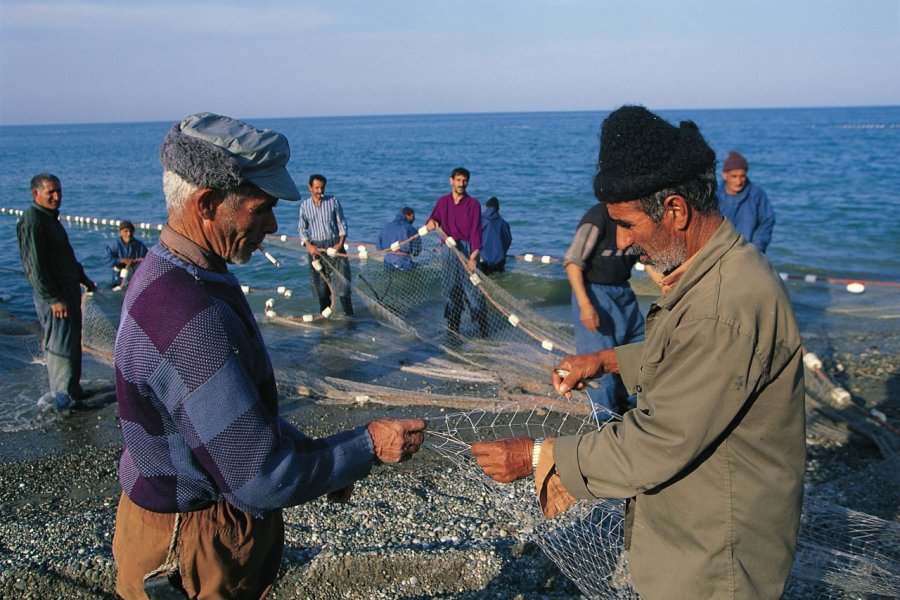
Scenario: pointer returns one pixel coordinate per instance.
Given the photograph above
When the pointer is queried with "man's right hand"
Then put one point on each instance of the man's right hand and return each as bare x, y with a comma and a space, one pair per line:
430, 224
396, 440
583, 366
312, 249
59, 310
589, 318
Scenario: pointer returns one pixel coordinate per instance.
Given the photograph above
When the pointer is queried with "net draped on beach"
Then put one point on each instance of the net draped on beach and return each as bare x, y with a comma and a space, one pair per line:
494, 373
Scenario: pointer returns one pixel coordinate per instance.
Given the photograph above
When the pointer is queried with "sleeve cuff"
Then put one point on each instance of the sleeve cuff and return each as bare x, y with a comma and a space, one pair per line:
565, 454
629, 359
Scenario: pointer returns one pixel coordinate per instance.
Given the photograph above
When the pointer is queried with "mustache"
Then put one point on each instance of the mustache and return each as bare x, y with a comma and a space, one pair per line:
634, 250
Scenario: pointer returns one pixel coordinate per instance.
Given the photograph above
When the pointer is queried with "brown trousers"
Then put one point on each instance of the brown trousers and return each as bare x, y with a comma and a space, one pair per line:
222, 552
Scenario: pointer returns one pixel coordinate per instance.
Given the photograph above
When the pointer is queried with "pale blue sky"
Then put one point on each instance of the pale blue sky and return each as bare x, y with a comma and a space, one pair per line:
101, 61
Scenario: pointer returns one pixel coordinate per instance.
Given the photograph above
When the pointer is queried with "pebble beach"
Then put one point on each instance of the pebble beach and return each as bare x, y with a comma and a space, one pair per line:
422, 529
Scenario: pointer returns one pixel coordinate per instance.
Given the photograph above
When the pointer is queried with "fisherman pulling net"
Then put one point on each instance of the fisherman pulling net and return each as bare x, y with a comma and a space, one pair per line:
500, 381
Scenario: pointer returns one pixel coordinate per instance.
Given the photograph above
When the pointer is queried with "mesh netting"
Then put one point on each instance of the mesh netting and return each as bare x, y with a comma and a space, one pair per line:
494, 364
840, 553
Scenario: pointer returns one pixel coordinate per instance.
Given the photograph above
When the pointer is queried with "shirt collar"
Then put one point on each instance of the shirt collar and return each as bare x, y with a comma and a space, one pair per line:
678, 282
190, 252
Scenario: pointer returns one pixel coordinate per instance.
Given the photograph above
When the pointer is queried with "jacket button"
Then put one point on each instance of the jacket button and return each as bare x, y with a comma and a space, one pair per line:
638, 388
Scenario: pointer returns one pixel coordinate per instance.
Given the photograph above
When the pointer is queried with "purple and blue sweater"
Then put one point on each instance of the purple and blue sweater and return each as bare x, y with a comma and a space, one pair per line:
199, 407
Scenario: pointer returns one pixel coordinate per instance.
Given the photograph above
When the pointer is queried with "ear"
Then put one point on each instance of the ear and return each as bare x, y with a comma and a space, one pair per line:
677, 209
205, 202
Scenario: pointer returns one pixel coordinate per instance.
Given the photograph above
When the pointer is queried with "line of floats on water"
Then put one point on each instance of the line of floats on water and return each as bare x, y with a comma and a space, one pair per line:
854, 286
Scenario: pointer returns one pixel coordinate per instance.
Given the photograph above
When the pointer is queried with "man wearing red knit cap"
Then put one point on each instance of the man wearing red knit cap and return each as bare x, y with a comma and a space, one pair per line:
744, 203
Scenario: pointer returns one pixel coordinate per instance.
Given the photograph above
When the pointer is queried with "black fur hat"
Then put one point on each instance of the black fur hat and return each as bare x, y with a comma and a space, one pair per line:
641, 153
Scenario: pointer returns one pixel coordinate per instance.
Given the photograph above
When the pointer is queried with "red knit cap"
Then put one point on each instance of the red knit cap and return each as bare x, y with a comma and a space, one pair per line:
734, 161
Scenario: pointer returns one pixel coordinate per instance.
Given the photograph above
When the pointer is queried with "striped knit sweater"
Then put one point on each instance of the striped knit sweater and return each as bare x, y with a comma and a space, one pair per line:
199, 407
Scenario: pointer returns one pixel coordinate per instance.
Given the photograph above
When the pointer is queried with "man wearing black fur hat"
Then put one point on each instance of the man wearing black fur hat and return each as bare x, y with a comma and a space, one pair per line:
713, 458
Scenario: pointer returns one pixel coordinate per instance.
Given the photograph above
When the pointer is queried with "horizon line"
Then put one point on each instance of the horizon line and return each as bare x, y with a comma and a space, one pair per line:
448, 114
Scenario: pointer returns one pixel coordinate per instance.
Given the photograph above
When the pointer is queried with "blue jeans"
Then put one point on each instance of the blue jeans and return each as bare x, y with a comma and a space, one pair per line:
62, 344
621, 322
459, 291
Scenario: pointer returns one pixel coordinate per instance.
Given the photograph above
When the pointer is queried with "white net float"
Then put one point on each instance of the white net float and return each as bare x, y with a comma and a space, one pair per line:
841, 396
812, 361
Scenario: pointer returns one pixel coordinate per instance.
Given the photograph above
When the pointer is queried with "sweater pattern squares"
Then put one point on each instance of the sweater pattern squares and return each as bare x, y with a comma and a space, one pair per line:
195, 379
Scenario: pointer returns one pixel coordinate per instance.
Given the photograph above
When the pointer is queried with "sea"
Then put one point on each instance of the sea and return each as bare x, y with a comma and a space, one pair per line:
831, 174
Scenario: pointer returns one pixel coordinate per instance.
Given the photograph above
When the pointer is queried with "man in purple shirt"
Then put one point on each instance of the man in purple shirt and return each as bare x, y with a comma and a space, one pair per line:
207, 462
459, 217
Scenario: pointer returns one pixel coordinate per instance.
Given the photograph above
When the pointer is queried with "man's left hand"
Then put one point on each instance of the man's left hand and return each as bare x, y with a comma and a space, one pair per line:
505, 460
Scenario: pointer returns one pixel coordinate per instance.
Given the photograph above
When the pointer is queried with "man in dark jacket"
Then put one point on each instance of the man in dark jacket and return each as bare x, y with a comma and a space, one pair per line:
398, 232
124, 253
744, 203
495, 238
56, 277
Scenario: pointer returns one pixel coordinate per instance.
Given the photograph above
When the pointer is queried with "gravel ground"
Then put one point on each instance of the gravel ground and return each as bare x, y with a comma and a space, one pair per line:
417, 530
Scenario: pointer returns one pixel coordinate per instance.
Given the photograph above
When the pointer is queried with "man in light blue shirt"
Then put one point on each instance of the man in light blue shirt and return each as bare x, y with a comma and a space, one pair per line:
322, 228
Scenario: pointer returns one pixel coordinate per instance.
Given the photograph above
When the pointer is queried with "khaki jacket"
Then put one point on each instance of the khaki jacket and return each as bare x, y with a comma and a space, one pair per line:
713, 457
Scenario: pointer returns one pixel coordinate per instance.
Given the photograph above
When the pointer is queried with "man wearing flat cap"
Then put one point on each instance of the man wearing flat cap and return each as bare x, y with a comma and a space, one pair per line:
207, 463
712, 459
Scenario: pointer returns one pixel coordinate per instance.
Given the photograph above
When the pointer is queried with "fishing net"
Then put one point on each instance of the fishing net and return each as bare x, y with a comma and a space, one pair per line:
494, 365
840, 553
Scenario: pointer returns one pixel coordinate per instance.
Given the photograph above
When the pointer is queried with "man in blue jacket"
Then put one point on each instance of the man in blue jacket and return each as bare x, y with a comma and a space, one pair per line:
124, 253
495, 238
744, 203
399, 231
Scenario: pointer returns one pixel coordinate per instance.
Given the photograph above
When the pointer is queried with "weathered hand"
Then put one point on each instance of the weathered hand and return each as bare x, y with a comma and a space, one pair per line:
396, 440
583, 366
505, 460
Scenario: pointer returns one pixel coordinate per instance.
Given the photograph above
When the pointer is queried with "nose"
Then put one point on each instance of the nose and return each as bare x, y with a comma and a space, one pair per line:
624, 239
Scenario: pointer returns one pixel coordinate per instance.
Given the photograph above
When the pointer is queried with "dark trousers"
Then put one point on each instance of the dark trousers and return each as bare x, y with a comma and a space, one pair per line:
337, 271
459, 291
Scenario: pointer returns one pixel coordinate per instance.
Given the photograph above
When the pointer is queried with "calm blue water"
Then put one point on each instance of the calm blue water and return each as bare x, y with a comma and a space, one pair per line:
831, 174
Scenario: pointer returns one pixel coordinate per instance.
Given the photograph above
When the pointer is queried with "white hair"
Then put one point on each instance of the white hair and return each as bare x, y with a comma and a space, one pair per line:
177, 190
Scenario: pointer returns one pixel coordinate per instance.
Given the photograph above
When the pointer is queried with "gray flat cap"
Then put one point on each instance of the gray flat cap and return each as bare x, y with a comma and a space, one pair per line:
219, 152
